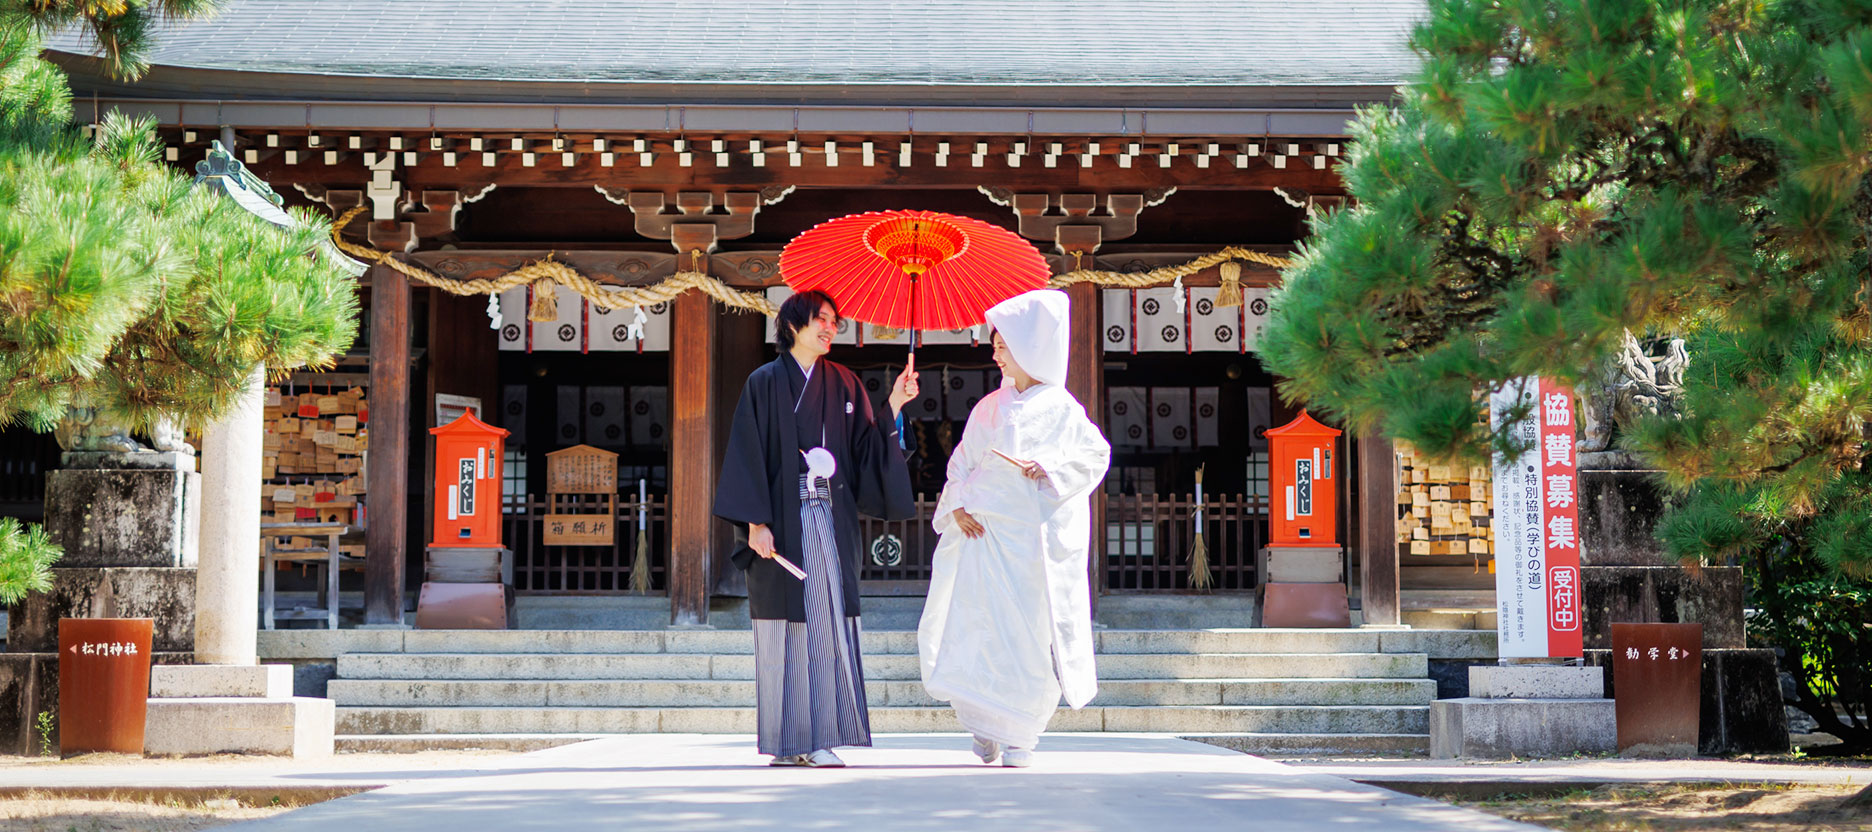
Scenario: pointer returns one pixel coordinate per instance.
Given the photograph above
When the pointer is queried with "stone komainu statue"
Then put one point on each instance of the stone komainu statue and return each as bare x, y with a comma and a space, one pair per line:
87, 428
1641, 379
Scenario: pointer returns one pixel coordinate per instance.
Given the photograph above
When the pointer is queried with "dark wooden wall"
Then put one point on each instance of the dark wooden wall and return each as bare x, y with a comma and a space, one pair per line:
740, 348
461, 356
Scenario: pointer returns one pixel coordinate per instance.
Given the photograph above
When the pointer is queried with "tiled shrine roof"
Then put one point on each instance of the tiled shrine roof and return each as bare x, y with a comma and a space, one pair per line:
1032, 50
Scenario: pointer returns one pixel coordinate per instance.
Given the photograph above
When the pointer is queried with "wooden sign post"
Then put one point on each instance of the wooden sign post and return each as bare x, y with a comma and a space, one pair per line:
580, 469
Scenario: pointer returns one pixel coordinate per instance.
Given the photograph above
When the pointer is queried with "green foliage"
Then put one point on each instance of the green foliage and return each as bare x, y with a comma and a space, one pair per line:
34, 99
46, 725
124, 287
1563, 173
120, 29
1821, 622
25, 555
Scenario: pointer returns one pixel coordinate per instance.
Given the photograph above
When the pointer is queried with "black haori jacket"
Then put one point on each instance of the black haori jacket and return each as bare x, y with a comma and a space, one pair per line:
773, 423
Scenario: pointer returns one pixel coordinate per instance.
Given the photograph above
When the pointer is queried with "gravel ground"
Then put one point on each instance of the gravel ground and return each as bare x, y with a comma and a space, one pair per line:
47, 813
185, 809
1755, 808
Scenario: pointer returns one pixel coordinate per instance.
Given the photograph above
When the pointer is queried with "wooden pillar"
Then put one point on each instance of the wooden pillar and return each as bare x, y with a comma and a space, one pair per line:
1085, 379
1378, 549
1085, 374
387, 480
693, 460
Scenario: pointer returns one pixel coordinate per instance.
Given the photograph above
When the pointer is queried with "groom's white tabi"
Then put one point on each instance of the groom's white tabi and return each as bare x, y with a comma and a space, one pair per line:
1007, 626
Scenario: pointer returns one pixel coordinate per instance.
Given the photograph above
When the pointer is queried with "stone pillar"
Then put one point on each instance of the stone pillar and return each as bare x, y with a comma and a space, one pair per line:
226, 590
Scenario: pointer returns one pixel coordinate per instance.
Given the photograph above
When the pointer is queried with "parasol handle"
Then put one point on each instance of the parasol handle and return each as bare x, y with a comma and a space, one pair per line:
913, 315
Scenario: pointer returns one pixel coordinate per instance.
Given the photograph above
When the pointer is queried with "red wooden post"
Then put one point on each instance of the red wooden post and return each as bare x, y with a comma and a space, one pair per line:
387, 493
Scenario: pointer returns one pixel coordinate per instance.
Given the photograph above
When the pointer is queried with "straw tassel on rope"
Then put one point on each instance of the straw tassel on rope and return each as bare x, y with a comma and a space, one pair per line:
545, 308
1199, 551
1230, 294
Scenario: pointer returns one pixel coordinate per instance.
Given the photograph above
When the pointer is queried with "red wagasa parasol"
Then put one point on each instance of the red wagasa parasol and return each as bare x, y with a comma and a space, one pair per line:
913, 269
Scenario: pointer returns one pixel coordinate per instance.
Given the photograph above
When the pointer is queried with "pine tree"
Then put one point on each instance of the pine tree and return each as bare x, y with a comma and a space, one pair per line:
1564, 173
123, 287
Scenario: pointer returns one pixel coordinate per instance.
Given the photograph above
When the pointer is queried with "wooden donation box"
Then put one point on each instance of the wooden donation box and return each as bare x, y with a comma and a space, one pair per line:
1302, 567
466, 571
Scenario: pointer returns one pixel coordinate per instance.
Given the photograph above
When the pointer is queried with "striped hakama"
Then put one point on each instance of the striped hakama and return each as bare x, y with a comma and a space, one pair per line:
809, 677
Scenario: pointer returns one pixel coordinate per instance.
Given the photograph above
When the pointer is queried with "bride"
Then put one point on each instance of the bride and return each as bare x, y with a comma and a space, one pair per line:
1007, 627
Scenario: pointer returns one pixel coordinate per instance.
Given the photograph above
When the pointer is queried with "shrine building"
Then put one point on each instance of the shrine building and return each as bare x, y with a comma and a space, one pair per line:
1182, 143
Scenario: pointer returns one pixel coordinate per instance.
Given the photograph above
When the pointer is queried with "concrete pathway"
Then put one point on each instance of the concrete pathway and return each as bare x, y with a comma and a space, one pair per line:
672, 783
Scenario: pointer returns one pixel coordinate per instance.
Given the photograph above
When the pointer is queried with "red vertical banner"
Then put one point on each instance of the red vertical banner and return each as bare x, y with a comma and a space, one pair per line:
1133, 322
1560, 530
529, 317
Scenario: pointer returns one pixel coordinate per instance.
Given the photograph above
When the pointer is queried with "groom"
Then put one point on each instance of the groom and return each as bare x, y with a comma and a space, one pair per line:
805, 457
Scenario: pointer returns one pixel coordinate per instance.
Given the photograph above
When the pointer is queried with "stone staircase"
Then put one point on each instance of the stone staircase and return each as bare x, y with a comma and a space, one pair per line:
1256, 690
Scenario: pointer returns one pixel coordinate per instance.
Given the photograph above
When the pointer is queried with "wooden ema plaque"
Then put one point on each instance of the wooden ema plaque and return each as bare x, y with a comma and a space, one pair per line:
571, 472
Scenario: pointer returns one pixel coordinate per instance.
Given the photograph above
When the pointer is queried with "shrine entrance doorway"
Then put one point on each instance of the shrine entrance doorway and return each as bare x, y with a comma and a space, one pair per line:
586, 385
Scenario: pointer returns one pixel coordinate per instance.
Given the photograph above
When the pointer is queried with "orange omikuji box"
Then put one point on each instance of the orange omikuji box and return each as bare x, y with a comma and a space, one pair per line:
1302, 468
468, 483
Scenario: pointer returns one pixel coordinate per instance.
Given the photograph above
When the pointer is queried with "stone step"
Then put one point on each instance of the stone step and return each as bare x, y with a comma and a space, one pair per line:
1180, 719
879, 642
1177, 612
1284, 745
712, 693
325, 644
1277, 745
884, 667
293, 726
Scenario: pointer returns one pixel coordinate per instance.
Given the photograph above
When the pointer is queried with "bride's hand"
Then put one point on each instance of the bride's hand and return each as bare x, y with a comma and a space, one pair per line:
971, 527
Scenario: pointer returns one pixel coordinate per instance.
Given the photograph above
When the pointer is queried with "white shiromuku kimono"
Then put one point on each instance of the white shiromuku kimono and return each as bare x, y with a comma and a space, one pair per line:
1007, 626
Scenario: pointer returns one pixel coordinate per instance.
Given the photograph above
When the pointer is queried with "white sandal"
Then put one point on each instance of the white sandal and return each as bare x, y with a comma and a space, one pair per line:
987, 750
823, 758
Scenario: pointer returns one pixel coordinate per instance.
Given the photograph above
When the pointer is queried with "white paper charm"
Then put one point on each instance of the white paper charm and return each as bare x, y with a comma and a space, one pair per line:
638, 319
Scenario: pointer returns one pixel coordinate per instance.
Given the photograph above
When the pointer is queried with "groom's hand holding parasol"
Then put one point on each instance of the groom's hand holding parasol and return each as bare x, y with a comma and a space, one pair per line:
905, 389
